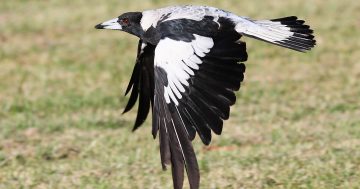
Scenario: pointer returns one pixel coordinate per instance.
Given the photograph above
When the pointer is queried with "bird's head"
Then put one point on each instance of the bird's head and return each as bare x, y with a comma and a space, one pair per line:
128, 22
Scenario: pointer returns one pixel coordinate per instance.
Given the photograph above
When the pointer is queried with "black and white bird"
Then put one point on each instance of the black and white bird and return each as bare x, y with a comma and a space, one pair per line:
188, 65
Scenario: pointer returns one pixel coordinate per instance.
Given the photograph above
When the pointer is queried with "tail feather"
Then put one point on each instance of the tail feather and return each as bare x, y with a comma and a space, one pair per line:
287, 32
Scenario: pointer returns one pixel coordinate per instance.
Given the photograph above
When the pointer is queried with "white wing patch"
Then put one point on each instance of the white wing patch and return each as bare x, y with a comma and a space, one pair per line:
197, 13
179, 59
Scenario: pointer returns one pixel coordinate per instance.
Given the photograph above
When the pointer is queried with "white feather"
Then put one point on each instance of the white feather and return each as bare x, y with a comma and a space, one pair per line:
149, 18
166, 95
264, 29
191, 64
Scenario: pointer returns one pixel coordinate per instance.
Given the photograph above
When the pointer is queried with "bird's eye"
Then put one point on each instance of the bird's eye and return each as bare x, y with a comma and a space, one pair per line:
125, 21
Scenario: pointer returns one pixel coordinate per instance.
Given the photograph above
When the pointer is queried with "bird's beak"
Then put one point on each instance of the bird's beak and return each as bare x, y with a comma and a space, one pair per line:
110, 24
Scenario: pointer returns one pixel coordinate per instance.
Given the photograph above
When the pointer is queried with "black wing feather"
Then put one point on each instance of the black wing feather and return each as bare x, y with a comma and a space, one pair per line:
142, 83
144, 99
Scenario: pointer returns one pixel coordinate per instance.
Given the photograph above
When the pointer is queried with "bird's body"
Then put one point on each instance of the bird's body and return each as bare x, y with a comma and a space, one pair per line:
187, 71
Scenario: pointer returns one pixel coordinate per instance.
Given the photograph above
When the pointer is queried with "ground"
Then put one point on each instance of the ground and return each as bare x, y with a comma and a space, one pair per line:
296, 123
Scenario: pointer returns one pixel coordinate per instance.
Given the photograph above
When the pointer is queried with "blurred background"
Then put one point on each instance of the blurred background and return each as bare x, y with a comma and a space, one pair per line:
296, 123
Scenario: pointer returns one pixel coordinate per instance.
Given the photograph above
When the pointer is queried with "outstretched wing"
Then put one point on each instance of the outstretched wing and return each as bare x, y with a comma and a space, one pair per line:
196, 73
142, 83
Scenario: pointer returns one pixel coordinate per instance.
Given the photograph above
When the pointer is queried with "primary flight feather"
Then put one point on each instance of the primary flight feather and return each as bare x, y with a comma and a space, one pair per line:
187, 69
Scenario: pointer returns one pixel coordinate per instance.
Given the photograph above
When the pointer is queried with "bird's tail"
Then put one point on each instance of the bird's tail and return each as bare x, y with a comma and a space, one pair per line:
287, 32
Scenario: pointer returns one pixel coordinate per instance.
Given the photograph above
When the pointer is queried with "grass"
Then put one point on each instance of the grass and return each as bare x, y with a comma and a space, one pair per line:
296, 123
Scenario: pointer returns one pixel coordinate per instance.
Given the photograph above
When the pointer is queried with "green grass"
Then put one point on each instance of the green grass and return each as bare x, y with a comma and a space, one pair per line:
296, 123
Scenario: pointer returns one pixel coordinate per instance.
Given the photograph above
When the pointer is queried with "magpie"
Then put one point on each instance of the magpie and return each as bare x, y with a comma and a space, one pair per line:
189, 64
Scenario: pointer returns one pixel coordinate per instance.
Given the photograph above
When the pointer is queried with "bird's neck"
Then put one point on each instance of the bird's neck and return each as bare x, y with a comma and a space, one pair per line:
151, 36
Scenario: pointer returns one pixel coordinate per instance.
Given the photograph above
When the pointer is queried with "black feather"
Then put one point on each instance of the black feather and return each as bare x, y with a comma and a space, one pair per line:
144, 99
142, 83
134, 78
133, 97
